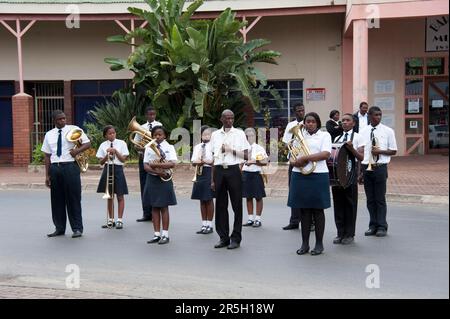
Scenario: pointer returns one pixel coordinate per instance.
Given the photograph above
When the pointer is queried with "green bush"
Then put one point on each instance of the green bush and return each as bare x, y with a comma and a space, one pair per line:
38, 155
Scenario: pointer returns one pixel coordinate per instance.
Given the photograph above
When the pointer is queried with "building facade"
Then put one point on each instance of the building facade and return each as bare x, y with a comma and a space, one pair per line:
393, 54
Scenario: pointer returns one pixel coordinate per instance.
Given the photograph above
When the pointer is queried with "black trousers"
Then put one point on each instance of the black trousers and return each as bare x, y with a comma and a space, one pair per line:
146, 209
228, 181
375, 188
345, 202
295, 212
65, 193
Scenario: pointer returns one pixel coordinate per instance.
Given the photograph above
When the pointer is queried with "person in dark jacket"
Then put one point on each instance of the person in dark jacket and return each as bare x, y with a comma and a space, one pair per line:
333, 125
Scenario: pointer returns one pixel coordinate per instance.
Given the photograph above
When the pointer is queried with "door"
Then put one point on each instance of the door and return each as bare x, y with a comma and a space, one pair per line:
436, 115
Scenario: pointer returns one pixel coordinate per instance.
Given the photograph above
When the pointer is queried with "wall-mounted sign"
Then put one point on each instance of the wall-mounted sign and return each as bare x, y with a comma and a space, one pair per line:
315, 94
385, 103
437, 104
437, 34
413, 105
384, 87
413, 124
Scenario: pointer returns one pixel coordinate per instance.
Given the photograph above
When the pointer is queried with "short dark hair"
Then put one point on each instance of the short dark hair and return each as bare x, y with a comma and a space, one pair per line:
316, 117
160, 127
363, 103
107, 128
333, 113
349, 114
296, 105
55, 113
374, 109
203, 128
149, 108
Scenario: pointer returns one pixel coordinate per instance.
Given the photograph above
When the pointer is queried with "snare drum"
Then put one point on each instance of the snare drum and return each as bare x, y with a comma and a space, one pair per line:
341, 166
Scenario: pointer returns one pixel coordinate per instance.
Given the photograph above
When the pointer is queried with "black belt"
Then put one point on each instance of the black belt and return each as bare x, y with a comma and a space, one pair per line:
63, 163
375, 165
226, 166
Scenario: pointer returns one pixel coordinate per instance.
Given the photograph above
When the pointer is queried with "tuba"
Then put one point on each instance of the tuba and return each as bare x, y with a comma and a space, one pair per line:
136, 129
301, 149
74, 136
168, 172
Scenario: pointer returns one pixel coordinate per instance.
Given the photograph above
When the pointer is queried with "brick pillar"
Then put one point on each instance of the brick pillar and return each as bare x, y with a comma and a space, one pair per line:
68, 101
22, 114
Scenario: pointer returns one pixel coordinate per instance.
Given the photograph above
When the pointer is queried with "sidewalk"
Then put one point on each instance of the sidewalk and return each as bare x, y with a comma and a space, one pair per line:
412, 179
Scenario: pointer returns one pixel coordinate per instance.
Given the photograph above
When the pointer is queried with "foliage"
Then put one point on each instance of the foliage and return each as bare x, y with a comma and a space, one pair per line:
193, 69
38, 155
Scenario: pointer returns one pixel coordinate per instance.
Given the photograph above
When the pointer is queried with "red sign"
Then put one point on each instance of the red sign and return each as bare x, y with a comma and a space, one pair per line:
315, 94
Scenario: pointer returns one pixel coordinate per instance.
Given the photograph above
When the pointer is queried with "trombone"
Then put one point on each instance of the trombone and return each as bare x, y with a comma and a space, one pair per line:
109, 183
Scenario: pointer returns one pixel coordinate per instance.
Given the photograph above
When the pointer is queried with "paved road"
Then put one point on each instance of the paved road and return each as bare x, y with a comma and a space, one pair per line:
413, 260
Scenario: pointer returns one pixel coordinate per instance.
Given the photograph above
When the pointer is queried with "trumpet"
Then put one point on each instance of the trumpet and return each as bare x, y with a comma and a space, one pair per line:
302, 149
199, 168
373, 159
74, 136
136, 129
168, 173
109, 184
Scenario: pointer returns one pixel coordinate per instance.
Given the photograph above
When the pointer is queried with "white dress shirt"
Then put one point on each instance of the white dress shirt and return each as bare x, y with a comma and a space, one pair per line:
363, 120
119, 145
357, 142
255, 150
287, 137
168, 149
50, 145
386, 141
203, 153
235, 138
317, 142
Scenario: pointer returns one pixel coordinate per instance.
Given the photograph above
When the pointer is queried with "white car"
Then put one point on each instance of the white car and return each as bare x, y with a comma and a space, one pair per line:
438, 136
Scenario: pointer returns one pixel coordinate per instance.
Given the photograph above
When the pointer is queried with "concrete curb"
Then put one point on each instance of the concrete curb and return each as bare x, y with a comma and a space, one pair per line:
274, 193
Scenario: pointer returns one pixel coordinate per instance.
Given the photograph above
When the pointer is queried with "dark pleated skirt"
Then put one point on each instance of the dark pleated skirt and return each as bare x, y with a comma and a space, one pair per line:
252, 185
158, 193
120, 183
309, 191
201, 189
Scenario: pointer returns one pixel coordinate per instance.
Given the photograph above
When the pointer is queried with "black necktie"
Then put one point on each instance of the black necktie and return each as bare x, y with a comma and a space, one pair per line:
161, 152
59, 145
345, 137
149, 126
371, 133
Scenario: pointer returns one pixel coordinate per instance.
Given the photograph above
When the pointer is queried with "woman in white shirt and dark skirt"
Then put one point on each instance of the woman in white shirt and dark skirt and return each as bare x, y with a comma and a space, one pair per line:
252, 179
202, 157
113, 152
159, 194
311, 192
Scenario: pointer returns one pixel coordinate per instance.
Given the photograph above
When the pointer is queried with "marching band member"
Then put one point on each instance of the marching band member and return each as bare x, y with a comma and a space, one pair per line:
202, 159
252, 180
150, 114
311, 192
159, 194
113, 152
230, 148
380, 146
345, 200
299, 111
63, 175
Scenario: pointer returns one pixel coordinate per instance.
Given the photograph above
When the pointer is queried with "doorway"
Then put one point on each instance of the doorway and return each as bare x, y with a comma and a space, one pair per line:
436, 115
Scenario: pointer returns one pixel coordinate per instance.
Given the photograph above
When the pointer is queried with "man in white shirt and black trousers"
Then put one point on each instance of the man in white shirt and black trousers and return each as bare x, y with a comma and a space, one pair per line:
150, 114
230, 148
63, 176
361, 117
375, 180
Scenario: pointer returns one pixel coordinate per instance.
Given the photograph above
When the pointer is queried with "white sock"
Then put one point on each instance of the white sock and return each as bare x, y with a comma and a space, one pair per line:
204, 223
250, 217
119, 219
209, 223
165, 233
157, 233
258, 218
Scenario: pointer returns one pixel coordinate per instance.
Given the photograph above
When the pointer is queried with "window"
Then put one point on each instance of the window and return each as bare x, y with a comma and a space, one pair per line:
291, 93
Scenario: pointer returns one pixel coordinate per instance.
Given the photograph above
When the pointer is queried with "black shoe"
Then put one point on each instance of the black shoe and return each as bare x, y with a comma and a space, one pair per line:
233, 245
381, 233
291, 226
317, 250
202, 230
144, 219
56, 233
303, 250
337, 240
248, 223
76, 234
257, 223
208, 230
370, 232
347, 240
119, 225
109, 224
222, 244
154, 240
163, 240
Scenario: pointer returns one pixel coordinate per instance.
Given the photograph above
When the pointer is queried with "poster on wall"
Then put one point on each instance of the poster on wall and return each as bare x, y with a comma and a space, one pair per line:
386, 103
384, 87
315, 94
437, 34
388, 120
413, 106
